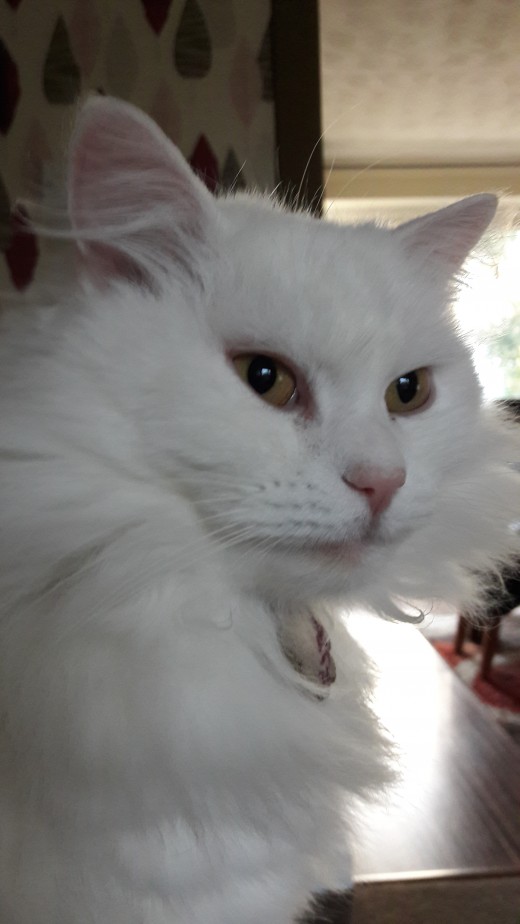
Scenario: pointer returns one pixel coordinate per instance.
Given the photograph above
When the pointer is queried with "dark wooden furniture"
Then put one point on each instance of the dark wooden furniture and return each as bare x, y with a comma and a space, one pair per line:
503, 595
483, 899
487, 635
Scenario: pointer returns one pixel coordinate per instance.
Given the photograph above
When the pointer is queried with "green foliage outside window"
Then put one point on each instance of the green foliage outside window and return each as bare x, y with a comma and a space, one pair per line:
504, 344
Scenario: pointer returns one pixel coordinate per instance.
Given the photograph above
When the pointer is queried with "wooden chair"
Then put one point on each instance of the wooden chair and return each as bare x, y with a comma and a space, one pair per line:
505, 599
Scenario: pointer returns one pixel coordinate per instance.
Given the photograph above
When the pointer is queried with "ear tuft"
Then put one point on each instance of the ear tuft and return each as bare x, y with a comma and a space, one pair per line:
136, 209
448, 236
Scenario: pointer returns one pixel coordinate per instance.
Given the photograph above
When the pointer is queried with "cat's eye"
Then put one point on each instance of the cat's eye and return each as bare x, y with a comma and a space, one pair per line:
409, 392
267, 376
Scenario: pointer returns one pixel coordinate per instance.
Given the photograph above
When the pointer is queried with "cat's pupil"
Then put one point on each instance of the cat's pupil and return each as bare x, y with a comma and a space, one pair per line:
407, 387
262, 374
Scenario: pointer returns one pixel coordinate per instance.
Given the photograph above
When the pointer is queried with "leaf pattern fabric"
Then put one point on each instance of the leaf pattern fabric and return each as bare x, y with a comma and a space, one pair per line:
192, 53
61, 74
9, 89
201, 68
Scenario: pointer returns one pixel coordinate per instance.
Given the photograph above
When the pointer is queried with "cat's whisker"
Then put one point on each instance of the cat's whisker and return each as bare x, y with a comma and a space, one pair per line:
221, 485
339, 195
211, 517
221, 543
212, 542
142, 577
231, 483
274, 191
261, 546
203, 475
164, 568
227, 489
235, 181
215, 499
93, 560
329, 174
220, 539
309, 159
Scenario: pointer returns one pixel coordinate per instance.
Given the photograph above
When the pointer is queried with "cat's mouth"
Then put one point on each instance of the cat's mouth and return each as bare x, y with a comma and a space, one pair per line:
334, 551
346, 552
350, 551
342, 551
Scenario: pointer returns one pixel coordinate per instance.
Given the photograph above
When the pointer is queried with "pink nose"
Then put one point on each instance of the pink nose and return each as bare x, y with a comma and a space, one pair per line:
378, 485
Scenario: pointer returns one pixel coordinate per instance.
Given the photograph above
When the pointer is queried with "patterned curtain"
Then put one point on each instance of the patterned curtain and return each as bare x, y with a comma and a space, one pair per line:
201, 68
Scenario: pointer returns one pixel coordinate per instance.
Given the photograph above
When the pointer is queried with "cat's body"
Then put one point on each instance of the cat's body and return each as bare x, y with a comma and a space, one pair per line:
164, 530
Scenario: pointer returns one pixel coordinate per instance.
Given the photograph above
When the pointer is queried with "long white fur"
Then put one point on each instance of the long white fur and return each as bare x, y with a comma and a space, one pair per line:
161, 761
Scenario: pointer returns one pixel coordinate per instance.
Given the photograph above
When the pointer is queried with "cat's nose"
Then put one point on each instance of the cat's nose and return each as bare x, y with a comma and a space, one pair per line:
378, 485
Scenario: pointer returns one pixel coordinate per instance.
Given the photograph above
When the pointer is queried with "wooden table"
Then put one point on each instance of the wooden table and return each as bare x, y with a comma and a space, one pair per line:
454, 817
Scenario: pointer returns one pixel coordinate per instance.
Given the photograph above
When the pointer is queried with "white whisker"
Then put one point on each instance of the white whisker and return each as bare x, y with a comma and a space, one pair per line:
219, 481
352, 179
309, 159
215, 499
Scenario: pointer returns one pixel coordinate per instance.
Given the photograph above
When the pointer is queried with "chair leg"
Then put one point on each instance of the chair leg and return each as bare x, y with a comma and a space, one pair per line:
489, 647
461, 634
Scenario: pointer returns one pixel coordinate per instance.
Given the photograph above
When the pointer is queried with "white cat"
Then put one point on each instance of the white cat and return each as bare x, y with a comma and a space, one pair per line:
240, 415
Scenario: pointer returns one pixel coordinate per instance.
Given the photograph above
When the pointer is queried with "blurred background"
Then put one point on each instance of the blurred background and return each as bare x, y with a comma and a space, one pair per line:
421, 106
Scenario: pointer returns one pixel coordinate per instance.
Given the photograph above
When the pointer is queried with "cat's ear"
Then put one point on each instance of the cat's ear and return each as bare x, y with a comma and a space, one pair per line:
448, 236
136, 209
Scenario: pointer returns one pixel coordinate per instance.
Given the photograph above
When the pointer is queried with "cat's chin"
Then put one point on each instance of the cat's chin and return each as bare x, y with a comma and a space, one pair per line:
296, 574
346, 551
337, 553
352, 551
323, 556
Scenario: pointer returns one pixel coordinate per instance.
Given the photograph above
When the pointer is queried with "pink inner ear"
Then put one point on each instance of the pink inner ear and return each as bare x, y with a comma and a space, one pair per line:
450, 234
109, 140
133, 201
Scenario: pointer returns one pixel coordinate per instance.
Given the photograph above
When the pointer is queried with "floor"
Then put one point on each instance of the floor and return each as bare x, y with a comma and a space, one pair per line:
506, 658
457, 805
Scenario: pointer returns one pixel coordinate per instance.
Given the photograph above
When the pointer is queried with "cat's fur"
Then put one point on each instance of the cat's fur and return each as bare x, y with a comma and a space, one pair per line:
162, 762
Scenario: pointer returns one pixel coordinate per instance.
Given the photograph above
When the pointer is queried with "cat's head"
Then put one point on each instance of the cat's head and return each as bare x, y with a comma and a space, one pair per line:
300, 384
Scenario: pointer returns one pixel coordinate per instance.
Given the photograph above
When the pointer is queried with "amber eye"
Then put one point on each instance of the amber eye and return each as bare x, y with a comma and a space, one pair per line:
270, 378
409, 392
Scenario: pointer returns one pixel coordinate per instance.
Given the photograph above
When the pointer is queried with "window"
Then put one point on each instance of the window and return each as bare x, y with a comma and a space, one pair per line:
488, 310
